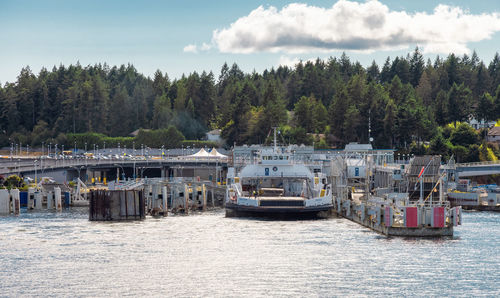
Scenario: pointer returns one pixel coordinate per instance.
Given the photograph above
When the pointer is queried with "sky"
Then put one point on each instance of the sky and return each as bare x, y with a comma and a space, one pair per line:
180, 37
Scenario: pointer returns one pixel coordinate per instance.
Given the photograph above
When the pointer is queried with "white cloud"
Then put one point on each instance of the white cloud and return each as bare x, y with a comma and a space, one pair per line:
291, 62
191, 48
206, 47
366, 27
288, 61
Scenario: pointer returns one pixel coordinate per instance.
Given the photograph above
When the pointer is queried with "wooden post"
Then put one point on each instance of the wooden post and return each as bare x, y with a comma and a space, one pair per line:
204, 196
186, 199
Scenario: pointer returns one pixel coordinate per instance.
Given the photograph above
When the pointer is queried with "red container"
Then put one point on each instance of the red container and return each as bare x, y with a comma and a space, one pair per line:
411, 219
438, 217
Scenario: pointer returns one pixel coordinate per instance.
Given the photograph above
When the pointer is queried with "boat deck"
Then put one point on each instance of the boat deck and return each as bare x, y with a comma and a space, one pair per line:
266, 198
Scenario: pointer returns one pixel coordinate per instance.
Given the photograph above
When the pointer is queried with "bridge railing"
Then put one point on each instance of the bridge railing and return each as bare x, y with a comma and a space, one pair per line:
479, 163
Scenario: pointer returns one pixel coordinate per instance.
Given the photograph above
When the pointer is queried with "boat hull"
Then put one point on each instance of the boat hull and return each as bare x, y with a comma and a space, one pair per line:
235, 210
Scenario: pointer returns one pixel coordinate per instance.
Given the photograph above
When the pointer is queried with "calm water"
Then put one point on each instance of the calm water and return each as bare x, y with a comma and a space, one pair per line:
207, 254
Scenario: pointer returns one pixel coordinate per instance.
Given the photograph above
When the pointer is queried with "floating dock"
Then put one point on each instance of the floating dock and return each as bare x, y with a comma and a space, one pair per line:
408, 221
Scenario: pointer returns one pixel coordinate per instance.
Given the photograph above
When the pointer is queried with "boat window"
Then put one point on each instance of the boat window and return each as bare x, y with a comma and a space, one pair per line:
275, 157
281, 157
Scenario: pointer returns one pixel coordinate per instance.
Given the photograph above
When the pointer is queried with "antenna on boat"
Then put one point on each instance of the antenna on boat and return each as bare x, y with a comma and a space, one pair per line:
275, 146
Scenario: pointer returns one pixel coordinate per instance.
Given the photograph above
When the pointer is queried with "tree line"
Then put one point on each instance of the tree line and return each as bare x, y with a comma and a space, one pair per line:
406, 103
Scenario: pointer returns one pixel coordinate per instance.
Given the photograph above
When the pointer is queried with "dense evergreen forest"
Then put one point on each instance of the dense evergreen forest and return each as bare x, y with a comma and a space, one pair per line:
408, 103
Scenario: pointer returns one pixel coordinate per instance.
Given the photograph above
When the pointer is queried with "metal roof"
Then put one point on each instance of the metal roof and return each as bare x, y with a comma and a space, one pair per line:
431, 163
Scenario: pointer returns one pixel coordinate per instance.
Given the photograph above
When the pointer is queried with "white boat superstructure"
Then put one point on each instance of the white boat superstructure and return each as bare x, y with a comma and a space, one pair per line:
276, 182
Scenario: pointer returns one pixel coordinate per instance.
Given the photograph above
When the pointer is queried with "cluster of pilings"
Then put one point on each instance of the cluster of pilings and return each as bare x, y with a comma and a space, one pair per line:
155, 197
10, 201
183, 196
179, 197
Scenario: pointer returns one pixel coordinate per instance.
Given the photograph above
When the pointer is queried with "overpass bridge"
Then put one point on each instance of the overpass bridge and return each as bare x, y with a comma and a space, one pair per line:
67, 169
477, 168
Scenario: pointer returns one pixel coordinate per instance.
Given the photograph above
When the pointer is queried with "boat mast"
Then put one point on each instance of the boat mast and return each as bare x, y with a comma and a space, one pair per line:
275, 146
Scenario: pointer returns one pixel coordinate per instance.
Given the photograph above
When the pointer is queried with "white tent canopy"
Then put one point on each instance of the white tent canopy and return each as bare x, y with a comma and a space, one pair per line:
201, 153
204, 154
215, 153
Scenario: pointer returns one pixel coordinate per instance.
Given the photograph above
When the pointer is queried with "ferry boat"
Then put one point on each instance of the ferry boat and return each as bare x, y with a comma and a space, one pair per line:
274, 182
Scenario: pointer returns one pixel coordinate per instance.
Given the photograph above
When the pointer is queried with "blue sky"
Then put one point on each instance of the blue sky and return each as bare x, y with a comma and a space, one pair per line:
157, 34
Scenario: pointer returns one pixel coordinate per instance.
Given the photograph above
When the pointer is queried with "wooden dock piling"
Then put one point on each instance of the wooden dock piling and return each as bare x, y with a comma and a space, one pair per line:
109, 205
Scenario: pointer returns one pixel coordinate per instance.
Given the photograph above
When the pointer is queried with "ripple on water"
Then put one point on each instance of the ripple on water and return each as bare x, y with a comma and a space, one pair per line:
206, 254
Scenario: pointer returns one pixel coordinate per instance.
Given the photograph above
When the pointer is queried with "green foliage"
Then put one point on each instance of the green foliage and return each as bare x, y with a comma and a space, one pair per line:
439, 145
167, 138
463, 135
295, 135
486, 153
13, 181
402, 103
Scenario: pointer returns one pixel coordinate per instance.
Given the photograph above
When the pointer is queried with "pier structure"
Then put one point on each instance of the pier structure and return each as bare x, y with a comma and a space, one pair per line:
379, 196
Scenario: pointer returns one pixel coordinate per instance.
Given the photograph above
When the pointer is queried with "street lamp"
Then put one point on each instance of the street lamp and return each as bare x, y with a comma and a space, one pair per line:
79, 169
123, 172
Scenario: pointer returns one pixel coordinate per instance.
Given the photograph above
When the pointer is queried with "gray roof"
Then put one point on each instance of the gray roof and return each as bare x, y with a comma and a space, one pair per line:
494, 131
214, 132
430, 162
358, 147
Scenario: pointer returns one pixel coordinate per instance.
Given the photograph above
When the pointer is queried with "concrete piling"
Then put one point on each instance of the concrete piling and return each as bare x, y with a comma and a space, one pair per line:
4, 202
186, 199
31, 198
57, 198
164, 198
204, 196
16, 201
50, 200
38, 200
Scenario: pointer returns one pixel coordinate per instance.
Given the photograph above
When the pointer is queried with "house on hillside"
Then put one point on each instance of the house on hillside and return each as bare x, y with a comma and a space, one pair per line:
493, 135
214, 136
136, 132
481, 123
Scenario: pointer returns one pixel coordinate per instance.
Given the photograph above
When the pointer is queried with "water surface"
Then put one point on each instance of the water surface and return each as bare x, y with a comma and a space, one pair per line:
63, 254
